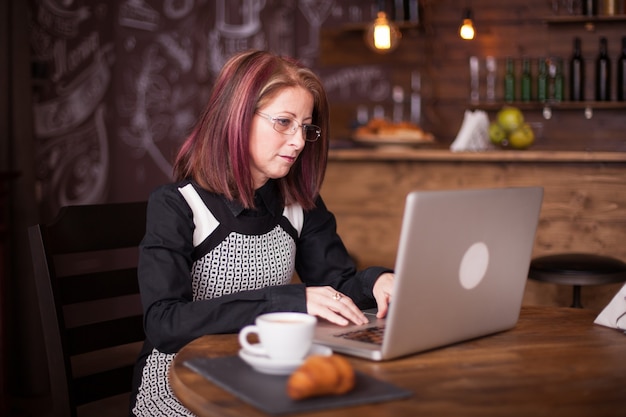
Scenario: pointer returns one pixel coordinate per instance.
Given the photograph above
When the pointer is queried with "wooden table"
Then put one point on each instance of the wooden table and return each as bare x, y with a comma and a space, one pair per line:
555, 362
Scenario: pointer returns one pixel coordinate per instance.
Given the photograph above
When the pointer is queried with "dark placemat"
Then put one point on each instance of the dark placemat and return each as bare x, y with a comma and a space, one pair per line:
269, 394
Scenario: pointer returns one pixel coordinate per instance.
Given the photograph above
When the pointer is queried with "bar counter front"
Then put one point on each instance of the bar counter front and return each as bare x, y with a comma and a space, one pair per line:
554, 362
584, 206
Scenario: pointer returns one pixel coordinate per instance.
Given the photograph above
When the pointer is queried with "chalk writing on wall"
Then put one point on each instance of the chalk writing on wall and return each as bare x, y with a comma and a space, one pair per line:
69, 114
156, 98
364, 82
125, 80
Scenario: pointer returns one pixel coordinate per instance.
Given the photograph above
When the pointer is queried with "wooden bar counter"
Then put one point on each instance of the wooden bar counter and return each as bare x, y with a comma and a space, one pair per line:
555, 362
584, 208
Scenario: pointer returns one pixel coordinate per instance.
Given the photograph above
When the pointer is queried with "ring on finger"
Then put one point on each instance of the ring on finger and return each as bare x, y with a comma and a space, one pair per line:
337, 296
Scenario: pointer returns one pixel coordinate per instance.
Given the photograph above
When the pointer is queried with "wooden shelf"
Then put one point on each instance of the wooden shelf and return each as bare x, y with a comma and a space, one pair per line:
587, 107
441, 155
589, 22
584, 19
556, 105
363, 26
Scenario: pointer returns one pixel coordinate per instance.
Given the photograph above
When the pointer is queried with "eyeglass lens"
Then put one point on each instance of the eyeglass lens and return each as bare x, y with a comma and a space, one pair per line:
290, 126
311, 133
286, 125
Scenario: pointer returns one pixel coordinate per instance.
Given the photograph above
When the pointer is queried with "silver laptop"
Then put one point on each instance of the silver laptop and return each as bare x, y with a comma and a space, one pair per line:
461, 270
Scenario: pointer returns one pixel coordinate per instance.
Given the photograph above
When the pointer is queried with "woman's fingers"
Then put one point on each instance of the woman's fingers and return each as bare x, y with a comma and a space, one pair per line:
383, 290
333, 306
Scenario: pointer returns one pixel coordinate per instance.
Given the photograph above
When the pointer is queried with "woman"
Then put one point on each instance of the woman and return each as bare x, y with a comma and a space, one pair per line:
223, 242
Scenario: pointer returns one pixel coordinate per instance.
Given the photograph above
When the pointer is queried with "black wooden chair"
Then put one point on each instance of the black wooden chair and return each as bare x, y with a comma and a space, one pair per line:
85, 268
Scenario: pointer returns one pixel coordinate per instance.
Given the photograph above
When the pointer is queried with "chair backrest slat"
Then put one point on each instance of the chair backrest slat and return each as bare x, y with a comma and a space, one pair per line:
96, 227
85, 268
102, 385
95, 286
104, 335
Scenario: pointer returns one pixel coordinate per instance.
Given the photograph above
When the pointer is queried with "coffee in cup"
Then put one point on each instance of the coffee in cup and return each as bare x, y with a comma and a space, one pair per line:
282, 336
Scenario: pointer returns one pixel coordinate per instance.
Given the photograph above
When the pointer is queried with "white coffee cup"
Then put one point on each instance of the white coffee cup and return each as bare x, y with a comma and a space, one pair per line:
282, 336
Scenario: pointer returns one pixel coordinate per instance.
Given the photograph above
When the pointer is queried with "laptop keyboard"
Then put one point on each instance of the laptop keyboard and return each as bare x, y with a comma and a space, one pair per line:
370, 335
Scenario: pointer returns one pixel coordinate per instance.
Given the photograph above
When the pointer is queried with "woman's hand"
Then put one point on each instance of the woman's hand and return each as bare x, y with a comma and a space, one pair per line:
329, 304
383, 290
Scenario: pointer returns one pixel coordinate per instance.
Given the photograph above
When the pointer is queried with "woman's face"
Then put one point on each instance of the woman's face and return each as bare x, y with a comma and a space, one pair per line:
272, 154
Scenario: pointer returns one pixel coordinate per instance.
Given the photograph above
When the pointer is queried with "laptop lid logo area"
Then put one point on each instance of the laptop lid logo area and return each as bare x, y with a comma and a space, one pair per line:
473, 267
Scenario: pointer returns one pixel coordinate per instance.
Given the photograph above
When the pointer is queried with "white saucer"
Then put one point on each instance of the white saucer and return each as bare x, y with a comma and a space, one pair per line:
266, 365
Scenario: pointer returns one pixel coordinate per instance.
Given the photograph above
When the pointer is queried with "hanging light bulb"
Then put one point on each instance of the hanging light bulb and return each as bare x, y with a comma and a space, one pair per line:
383, 35
466, 31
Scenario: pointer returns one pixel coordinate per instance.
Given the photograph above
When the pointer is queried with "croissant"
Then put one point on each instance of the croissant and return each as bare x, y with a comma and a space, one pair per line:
321, 375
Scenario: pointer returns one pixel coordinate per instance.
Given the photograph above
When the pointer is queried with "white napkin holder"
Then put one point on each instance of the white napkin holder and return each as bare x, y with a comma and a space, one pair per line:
614, 314
473, 134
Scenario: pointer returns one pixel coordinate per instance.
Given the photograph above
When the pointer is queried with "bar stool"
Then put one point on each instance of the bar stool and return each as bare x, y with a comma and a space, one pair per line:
577, 269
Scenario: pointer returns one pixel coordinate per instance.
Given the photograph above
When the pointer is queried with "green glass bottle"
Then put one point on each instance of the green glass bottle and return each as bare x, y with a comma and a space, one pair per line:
542, 80
509, 81
526, 80
558, 80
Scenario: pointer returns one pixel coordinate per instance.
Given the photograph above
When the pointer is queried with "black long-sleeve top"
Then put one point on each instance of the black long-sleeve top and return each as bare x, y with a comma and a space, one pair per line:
173, 318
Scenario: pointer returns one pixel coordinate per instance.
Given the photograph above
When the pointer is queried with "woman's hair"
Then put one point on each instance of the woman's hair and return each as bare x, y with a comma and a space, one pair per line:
216, 154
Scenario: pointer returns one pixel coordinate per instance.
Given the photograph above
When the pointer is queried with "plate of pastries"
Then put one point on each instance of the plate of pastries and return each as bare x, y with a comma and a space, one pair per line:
382, 132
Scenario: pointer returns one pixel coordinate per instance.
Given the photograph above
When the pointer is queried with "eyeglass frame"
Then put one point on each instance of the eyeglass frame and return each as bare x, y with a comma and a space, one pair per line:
290, 130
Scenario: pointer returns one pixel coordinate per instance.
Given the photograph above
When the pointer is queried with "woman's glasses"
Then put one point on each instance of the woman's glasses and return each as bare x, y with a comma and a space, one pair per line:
289, 126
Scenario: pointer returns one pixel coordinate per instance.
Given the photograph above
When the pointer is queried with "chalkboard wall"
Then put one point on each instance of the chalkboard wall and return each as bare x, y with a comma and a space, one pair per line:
118, 83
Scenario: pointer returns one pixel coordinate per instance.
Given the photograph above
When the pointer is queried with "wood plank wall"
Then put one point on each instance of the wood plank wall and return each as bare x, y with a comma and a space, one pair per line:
514, 28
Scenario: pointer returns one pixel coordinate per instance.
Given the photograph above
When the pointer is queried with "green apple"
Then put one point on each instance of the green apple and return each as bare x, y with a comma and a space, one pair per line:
496, 134
522, 137
510, 118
